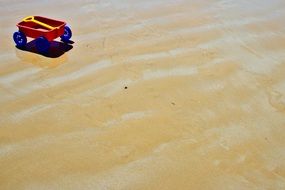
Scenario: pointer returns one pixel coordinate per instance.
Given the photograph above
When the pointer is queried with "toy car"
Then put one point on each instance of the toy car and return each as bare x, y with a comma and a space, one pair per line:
44, 30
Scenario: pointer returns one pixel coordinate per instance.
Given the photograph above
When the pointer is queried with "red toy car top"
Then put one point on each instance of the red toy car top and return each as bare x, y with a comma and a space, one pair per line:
43, 29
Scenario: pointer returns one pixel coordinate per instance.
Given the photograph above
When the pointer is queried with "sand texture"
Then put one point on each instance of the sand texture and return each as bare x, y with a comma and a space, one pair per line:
152, 95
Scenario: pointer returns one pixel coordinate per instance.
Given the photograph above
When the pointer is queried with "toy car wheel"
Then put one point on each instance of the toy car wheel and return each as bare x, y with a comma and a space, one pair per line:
42, 45
20, 39
67, 34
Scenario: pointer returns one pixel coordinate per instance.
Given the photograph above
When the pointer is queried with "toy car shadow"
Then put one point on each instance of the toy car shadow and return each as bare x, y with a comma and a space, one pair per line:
56, 48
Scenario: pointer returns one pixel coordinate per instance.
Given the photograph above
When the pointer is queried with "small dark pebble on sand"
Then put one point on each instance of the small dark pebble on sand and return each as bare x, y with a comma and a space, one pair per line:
126, 87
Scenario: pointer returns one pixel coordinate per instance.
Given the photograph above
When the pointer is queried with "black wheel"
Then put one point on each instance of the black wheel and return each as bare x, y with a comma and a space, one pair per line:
20, 39
42, 45
67, 34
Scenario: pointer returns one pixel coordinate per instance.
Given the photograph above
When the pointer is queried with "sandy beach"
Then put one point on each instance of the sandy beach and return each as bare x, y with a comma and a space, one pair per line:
155, 94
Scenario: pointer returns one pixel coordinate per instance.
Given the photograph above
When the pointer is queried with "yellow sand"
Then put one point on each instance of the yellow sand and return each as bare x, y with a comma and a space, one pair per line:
156, 94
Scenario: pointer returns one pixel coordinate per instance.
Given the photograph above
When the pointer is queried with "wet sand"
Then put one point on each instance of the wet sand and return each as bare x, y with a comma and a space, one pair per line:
153, 94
